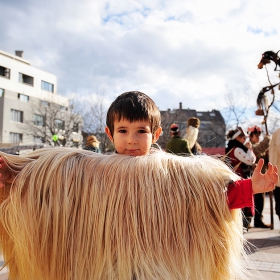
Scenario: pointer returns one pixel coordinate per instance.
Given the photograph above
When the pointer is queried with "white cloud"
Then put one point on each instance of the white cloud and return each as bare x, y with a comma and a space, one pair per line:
175, 51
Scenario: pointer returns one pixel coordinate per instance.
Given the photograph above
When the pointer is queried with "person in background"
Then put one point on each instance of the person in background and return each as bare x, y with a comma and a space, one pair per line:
191, 135
92, 144
177, 145
260, 149
241, 157
274, 157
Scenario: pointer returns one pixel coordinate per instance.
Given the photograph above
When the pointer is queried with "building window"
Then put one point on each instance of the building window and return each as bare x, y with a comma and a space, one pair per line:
45, 103
4, 72
59, 124
38, 120
23, 97
38, 140
198, 114
2, 91
16, 116
25, 79
212, 114
15, 137
63, 108
76, 127
47, 86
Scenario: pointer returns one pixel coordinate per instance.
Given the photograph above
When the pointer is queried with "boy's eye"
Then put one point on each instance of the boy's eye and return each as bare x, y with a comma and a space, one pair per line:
142, 131
122, 131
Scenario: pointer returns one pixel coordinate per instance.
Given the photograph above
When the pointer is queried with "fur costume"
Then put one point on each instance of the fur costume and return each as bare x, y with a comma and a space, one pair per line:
192, 132
72, 214
191, 135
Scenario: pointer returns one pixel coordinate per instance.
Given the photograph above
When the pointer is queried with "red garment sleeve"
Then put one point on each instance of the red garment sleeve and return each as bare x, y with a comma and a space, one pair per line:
240, 194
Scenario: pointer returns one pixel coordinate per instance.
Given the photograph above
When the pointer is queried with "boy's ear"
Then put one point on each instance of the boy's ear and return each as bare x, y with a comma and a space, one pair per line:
108, 132
157, 134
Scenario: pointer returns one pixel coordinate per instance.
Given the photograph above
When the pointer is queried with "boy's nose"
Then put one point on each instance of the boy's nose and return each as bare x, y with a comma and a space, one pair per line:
132, 139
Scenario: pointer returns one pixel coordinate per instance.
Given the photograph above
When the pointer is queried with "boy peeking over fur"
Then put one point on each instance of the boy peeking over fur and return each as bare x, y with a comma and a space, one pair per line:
134, 124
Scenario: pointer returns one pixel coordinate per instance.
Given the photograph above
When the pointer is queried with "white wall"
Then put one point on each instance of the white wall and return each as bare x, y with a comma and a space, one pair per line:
19, 65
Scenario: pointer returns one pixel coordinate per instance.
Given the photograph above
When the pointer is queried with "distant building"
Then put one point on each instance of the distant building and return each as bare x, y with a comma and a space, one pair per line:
211, 131
26, 95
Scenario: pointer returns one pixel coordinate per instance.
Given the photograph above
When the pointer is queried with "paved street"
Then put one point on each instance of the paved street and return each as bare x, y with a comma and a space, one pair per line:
265, 250
265, 255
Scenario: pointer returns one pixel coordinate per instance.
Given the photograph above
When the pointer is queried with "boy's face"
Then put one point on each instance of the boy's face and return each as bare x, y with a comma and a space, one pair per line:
134, 139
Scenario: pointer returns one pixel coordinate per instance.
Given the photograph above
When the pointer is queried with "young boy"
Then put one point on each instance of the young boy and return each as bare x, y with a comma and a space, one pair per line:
134, 124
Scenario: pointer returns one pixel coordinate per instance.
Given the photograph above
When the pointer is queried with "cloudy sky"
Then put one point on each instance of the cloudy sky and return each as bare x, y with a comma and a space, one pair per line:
189, 51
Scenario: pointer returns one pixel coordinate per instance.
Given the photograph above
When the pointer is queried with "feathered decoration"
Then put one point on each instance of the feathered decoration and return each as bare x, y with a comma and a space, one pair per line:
267, 57
262, 99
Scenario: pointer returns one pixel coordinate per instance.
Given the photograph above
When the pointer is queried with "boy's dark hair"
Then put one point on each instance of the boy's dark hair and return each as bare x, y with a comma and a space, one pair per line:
134, 106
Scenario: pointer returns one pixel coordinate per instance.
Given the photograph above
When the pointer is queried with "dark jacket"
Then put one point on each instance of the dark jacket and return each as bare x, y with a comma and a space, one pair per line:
178, 146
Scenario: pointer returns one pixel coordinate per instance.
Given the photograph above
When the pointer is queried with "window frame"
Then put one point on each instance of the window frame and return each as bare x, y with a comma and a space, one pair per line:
38, 120
16, 116
47, 86
45, 103
38, 140
7, 74
13, 135
23, 97
2, 94
24, 79
59, 124
75, 127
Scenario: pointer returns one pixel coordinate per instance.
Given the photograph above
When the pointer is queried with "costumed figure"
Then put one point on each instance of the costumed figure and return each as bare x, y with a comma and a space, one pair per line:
192, 134
274, 157
177, 145
241, 157
92, 144
260, 149
72, 214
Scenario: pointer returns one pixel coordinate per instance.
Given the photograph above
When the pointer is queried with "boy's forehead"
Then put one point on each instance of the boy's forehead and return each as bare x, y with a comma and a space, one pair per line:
126, 122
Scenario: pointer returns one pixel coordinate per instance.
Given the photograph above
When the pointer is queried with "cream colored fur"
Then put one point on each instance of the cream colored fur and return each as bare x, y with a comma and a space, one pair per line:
274, 150
74, 215
191, 135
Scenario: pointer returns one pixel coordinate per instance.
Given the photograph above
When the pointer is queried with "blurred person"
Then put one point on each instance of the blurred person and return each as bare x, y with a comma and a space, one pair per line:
274, 157
177, 145
92, 144
241, 157
191, 135
260, 149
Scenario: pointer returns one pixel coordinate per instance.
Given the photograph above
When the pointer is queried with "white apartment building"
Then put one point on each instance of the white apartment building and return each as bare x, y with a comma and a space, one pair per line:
24, 91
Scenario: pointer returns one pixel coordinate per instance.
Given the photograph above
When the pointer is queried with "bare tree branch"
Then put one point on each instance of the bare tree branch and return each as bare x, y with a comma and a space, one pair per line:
47, 118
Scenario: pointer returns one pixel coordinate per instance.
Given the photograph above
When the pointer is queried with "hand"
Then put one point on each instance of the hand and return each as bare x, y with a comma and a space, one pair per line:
248, 145
262, 183
5, 175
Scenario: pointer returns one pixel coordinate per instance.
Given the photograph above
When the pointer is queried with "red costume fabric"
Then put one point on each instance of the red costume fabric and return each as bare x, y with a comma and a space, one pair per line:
240, 194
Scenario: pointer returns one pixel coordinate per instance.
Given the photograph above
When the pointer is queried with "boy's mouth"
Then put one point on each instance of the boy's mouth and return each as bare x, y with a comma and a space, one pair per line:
133, 152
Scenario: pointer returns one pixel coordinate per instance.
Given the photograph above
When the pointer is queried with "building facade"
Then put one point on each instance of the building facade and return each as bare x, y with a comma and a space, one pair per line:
212, 128
31, 111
